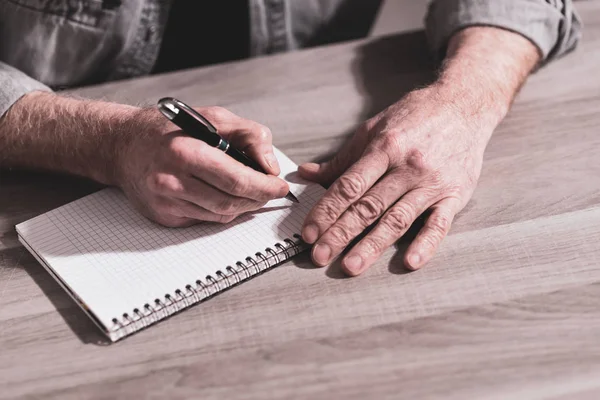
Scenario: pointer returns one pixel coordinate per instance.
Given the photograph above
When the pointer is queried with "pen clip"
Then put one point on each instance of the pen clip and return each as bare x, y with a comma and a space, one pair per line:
171, 107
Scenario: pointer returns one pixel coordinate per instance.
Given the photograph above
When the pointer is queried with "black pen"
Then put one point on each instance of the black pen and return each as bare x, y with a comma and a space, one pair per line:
195, 125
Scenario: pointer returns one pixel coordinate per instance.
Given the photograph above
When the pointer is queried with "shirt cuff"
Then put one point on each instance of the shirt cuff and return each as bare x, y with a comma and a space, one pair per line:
14, 84
554, 29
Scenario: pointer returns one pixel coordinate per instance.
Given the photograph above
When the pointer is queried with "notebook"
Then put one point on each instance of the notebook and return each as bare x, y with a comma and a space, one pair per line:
127, 272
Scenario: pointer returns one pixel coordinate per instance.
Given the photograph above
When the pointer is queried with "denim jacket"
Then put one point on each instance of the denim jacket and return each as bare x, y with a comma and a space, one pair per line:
51, 44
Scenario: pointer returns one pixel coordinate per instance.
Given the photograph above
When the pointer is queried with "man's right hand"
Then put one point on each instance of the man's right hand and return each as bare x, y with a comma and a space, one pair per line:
170, 177
177, 180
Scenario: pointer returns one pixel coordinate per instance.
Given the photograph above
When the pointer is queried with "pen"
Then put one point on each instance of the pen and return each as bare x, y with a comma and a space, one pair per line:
195, 125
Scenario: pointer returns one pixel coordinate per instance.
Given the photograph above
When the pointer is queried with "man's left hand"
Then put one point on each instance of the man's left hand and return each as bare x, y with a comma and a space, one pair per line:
424, 152
421, 153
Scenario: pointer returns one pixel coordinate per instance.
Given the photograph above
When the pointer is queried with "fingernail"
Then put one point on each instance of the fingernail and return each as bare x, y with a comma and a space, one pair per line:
353, 264
310, 234
271, 160
321, 254
310, 167
414, 261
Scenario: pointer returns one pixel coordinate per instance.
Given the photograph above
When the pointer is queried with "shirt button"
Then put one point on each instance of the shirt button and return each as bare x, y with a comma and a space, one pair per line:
111, 4
150, 33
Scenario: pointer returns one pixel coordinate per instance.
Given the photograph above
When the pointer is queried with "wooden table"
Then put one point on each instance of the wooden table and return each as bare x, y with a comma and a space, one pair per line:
509, 308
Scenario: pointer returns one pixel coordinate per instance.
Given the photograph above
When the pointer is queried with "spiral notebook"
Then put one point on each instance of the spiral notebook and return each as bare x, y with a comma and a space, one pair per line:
127, 272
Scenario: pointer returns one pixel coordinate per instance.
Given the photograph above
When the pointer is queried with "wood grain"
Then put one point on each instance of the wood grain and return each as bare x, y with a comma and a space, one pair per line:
507, 309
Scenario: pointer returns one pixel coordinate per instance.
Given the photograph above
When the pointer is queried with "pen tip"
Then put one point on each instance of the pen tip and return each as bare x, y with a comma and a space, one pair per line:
291, 197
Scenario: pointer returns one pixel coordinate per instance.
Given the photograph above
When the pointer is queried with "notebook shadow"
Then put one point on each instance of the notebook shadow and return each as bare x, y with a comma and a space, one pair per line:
77, 321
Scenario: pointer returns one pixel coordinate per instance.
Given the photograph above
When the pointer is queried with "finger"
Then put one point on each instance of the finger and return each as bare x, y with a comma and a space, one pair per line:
347, 189
185, 209
326, 173
206, 196
392, 226
224, 173
249, 136
256, 141
176, 213
358, 217
436, 227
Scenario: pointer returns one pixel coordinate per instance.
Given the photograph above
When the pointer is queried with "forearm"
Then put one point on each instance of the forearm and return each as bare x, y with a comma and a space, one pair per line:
553, 26
48, 132
484, 69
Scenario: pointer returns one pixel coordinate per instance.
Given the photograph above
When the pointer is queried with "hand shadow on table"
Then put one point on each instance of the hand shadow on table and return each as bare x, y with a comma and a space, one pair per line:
386, 69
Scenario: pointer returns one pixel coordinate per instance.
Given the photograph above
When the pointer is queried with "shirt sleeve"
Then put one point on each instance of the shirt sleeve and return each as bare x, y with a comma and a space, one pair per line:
14, 84
552, 25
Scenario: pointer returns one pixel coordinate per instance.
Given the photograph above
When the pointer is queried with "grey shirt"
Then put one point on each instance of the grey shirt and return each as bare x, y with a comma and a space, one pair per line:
53, 44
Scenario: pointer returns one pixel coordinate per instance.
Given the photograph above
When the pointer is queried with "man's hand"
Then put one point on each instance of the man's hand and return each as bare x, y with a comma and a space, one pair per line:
171, 178
423, 153
177, 180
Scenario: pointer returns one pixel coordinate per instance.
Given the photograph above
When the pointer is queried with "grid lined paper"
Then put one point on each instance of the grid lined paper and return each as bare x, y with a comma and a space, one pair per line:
115, 260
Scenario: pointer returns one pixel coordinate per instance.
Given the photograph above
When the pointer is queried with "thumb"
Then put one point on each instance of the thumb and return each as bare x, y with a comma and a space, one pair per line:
246, 135
326, 173
256, 141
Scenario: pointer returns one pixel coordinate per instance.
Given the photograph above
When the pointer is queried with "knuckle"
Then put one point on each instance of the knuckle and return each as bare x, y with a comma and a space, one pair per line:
217, 113
398, 220
226, 207
161, 182
264, 134
390, 139
326, 212
194, 155
225, 219
177, 148
183, 154
416, 161
429, 241
371, 246
439, 224
351, 186
368, 209
339, 235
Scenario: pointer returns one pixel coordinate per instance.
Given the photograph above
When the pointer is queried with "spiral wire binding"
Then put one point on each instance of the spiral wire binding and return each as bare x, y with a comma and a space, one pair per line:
204, 288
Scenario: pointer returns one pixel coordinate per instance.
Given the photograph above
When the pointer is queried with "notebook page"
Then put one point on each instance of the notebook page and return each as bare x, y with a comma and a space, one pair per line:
116, 260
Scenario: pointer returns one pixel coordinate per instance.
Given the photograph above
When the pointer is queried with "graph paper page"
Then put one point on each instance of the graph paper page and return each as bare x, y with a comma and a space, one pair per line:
115, 260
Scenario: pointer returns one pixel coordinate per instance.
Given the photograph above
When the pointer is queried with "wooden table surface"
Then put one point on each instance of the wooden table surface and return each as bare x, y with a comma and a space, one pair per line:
509, 307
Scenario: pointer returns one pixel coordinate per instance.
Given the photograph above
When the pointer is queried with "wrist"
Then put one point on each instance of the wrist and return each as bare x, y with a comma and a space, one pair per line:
49, 132
104, 130
134, 130
484, 70
478, 104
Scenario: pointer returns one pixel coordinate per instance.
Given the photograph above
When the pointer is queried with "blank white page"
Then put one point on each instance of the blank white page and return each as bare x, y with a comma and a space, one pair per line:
115, 260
